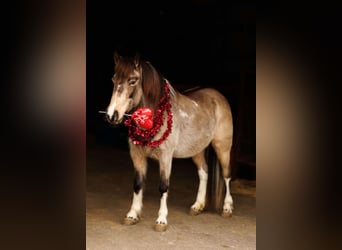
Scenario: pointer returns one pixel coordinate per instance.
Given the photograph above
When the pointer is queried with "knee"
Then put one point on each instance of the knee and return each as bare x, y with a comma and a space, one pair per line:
163, 187
138, 183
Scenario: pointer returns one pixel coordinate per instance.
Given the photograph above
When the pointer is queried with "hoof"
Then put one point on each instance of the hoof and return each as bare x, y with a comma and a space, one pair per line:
195, 212
130, 221
160, 227
226, 213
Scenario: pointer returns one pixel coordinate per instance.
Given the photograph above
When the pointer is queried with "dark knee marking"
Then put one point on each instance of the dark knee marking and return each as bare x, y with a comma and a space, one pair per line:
164, 183
137, 187
163, 187
138, 183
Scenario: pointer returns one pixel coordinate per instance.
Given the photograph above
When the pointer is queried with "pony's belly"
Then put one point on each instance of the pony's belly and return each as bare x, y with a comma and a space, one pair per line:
183, 154
190, 148
187, 153
191, 142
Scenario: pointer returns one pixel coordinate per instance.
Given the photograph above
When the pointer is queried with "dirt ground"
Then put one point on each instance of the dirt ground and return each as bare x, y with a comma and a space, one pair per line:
109, 195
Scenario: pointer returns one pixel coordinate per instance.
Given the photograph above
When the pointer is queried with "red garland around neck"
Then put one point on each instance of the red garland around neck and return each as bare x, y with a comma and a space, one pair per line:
144, 137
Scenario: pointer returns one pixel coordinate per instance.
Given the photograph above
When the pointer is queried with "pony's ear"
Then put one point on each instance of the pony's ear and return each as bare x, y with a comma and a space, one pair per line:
137, 60
117, 57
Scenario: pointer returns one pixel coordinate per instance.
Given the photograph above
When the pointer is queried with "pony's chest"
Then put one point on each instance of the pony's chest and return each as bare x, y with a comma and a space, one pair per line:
151, 152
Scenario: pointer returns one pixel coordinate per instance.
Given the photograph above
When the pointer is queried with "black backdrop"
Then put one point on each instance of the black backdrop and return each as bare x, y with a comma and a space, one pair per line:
194, 43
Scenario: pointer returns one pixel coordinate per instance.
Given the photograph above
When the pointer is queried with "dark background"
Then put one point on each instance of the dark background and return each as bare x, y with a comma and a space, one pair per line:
195, 43
310, 31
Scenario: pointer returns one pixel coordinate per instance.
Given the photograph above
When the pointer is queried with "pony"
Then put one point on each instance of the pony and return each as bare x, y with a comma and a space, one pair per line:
181, 125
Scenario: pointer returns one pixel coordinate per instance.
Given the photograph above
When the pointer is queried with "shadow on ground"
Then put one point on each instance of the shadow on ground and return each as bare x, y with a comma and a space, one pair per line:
109, 194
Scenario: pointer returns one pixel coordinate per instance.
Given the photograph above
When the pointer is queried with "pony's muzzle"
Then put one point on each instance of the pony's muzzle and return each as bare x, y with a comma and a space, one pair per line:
114, 118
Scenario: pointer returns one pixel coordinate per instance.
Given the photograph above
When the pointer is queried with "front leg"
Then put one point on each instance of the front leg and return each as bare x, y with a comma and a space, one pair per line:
140, 166
165, 165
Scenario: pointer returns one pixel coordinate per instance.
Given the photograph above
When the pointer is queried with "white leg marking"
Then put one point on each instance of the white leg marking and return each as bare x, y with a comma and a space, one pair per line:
162, 210
228, 201
202, 190
136, 207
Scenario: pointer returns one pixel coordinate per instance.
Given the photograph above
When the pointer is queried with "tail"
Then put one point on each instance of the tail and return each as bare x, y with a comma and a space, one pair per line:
216, 186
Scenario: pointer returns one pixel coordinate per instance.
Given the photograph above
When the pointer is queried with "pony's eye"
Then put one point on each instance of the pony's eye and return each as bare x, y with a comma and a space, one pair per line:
132, 81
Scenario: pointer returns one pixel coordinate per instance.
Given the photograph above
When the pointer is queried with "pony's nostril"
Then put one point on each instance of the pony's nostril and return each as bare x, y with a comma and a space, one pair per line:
115, 116
108, 117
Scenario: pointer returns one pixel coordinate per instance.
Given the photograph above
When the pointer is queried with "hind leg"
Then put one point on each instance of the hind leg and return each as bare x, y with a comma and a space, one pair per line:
202, 169
222, 149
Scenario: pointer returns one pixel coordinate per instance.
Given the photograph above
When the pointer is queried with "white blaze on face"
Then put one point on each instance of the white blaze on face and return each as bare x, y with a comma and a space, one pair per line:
119, 102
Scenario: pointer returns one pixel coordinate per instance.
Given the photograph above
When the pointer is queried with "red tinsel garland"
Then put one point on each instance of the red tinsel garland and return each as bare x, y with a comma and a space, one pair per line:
144, 137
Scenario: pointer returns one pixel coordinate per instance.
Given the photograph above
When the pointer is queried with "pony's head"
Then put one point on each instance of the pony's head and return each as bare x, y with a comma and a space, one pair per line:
136, 83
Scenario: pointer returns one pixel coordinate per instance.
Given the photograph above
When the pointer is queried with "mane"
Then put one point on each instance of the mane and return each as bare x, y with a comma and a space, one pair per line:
153, 85
153, 82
